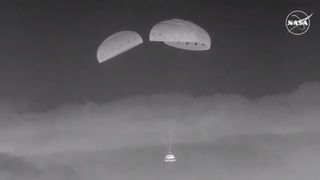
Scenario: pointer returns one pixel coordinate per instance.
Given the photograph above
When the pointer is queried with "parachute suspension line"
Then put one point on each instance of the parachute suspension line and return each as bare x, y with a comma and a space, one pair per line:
170, 156
169, 139
168, 87
170, 135
167, 76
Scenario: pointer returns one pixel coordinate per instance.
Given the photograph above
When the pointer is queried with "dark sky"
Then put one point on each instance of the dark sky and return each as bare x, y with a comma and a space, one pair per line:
48, 50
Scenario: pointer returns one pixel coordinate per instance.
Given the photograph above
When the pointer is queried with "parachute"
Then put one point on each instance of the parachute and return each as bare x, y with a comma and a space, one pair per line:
177, 33
117, 43
181, 34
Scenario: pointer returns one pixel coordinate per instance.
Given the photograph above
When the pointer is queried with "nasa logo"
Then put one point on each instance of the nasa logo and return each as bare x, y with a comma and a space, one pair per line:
298, 22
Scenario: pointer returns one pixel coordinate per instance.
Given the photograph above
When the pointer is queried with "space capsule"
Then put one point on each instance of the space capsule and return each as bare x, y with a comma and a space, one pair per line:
170, 158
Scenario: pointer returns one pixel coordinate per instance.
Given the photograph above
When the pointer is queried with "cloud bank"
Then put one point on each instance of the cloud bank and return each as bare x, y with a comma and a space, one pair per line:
143, 120
221, 136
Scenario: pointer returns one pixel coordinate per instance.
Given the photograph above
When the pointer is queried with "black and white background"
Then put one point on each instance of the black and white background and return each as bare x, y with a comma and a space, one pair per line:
248, 109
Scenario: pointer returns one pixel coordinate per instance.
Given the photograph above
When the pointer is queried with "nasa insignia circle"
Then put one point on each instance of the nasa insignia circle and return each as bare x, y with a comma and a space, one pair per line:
298, 22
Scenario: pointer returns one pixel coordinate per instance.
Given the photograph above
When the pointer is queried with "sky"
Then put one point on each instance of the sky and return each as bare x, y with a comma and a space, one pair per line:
248, 108
49, 50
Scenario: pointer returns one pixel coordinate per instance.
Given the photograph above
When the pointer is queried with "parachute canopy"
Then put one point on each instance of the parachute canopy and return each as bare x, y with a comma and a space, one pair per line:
118, 43
181, 34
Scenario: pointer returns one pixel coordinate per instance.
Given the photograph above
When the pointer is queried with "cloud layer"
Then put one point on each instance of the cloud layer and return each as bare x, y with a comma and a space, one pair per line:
221, 136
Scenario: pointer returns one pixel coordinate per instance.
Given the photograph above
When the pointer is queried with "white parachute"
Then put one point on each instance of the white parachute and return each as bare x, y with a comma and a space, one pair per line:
181, 34
177, 33
117, 43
